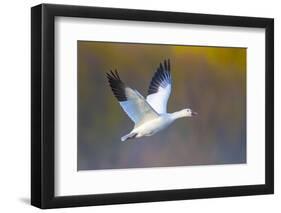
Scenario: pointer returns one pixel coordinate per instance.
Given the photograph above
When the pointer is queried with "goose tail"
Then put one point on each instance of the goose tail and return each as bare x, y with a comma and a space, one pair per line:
129, 136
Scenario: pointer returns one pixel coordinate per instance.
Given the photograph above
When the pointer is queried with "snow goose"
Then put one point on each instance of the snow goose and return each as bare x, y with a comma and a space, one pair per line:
150, 114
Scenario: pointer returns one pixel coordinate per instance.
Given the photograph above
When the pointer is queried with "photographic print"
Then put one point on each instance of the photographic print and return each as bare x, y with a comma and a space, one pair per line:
152, 100
156, 105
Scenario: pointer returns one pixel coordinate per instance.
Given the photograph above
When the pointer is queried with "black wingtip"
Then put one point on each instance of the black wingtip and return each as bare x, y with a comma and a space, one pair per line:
161, 67
162, 77
117, 86
167, 65
112, 75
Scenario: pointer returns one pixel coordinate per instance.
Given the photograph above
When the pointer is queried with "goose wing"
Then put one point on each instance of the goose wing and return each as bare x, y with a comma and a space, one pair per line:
160, 88
131, 101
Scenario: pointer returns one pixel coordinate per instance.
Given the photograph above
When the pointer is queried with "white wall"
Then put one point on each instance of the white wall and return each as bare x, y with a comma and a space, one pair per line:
15, 105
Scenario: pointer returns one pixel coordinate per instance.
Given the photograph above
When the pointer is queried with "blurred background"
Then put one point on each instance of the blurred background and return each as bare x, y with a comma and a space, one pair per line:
209, 80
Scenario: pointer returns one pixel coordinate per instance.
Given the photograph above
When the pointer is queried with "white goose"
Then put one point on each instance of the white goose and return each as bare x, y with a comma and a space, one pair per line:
150, 114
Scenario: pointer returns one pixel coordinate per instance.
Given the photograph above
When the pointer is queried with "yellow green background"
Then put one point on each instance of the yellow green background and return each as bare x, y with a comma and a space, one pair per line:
209, 80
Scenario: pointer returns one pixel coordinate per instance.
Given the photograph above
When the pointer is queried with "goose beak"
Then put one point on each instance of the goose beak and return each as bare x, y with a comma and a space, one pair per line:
194, 113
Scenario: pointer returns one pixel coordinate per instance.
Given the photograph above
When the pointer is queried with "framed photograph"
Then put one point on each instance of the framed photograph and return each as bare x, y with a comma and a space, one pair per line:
139, 106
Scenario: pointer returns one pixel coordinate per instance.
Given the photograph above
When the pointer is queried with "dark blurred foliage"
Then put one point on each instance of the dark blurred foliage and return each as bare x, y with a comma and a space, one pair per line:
209, 80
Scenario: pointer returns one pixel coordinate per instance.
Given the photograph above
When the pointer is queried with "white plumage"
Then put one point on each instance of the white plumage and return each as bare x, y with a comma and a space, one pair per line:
137, 107
150, 114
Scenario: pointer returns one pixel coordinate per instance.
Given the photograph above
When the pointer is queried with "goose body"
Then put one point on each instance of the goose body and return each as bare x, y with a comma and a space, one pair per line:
149, 115
150, 127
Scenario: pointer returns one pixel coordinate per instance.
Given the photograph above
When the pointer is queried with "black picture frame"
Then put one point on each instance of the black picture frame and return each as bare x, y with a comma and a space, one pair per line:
43, 102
